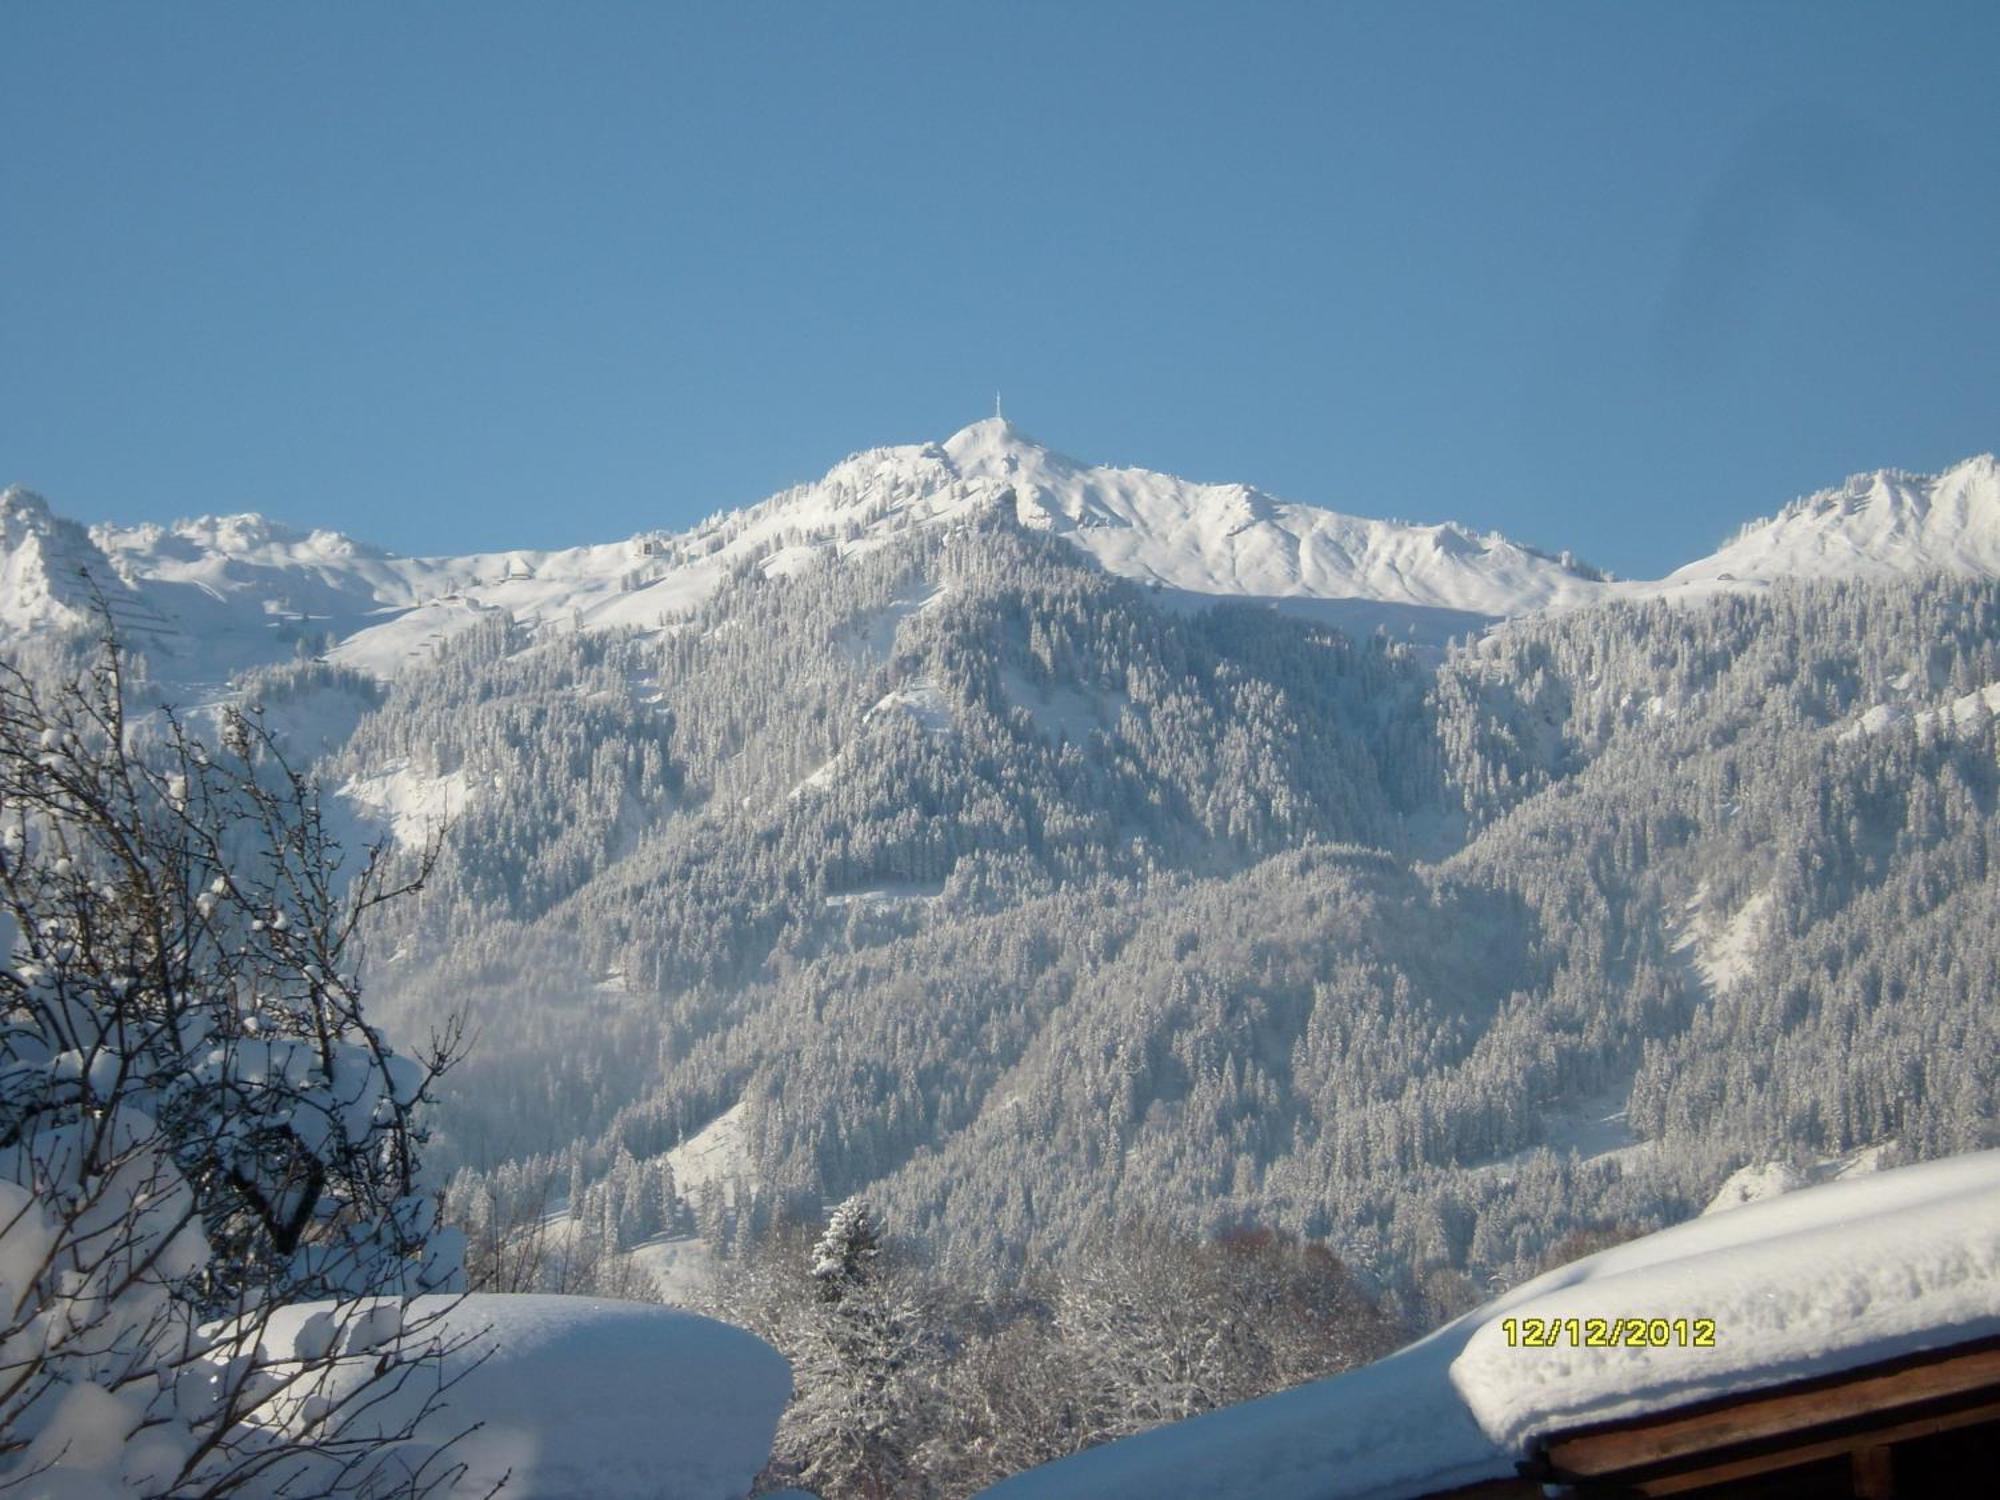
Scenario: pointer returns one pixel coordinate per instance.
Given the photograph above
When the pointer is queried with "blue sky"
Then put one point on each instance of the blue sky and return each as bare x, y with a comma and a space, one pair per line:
1611, 277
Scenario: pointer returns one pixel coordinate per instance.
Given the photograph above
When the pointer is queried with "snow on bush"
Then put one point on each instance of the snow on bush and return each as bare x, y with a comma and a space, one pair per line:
197, 1128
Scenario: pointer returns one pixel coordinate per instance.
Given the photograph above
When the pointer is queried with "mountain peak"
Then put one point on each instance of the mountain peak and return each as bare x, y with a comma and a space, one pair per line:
1882, 523
994, 446
986, 429
19, 500
47, 564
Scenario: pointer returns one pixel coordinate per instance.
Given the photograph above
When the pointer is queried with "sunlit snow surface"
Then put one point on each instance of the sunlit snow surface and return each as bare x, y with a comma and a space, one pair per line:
413, 805
1961, 715
583, 1396
1884, 524
717, 1155
1812, 1282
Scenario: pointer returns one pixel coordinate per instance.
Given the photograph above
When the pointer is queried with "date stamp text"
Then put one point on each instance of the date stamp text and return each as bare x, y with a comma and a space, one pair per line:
1609, 1333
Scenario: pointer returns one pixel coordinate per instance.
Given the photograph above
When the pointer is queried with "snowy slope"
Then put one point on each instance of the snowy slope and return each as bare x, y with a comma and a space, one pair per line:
718, 1154
48, 567
1234, 541
256, 589
1879, 525
1813, 1282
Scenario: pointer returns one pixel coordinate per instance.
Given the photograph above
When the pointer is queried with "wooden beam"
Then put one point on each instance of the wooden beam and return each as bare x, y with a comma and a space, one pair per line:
1874, 1473
1613, 1449
1875, 1440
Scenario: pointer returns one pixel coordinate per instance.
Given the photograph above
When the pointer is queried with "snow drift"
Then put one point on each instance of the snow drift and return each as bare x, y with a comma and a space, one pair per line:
573, 1396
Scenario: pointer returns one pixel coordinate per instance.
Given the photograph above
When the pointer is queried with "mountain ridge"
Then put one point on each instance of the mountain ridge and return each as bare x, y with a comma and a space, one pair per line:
218, 594
1877, 523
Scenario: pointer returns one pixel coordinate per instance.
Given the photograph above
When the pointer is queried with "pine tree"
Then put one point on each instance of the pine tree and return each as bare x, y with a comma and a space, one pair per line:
862, 1351
843, 1262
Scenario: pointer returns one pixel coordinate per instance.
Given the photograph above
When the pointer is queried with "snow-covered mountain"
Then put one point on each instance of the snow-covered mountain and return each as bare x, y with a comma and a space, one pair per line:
43, 563
1215, 540
1877, 525
219, 593
211, 596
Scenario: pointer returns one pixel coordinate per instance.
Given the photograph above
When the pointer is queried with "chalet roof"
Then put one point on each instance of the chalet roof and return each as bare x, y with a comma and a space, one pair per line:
1851, 1275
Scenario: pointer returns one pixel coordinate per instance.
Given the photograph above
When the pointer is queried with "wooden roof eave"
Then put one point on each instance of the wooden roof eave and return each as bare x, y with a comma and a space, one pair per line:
1754, 1432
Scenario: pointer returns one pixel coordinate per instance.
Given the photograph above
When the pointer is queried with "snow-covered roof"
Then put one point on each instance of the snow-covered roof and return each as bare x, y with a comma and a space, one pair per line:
1807, 1284
568, 1397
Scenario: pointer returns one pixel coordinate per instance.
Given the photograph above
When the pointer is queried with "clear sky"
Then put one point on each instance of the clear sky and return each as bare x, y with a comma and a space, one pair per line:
1612, 277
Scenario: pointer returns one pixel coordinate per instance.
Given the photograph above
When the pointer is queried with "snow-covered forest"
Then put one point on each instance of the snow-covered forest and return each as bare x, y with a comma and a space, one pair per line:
1054, 904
